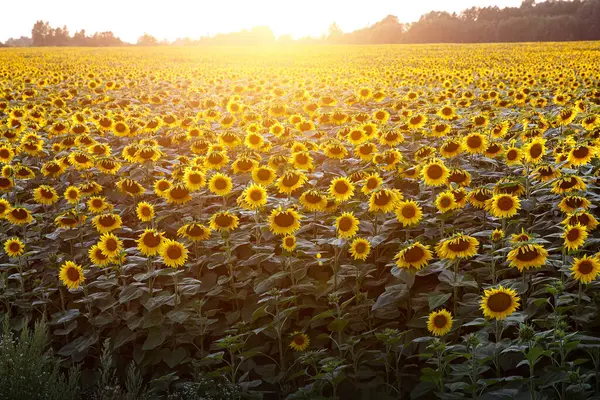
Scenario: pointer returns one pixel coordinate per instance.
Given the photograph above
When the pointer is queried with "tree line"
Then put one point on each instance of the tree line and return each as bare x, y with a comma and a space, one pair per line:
551, 20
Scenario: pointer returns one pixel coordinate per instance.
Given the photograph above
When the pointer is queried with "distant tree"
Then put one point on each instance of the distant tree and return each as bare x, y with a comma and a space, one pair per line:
147, 40
40, 33
334, 32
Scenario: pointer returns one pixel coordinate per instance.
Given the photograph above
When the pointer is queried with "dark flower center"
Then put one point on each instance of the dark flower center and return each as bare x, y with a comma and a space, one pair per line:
499, 302
440, 321
284, 220
73, 274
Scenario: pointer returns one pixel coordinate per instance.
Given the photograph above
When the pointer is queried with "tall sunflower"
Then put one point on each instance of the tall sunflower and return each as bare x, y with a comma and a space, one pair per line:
458, 245
220, 184
574, 236
414, 256
14, 247
526, 255
223, 221
503, 205
254, 196
71, 275
360, 249
346, 225
439, 322
341, 189
585, 269
173, 253
408, 213
435, 173
144, 211
498, 303
284, 222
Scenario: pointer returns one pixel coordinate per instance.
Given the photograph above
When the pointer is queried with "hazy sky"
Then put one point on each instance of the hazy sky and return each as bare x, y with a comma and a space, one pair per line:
172, 19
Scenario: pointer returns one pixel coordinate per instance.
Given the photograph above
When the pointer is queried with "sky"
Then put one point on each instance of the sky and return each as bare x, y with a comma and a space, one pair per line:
172, 19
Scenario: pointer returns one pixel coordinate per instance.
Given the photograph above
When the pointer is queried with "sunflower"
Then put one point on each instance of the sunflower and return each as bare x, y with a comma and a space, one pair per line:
220, 184
417, 121
513, 156
173, 253
497, 235
503, 205
475, 143
14, 247
178, 194
527, 255
284, 222
6, 184
161, 187
545, 173
71, 275
384, 200
149, 242
566, 116
45, 195
458, 245
300, 341
69, 219
290, 182
130, 187
288, 242
72, 195
445, 202
360, 249
243, 164
581, 155
568, 183
585, 269
223, 221
106, 223
499, 303
574, 236
313, 200
520, 237
97, 204
534, 150
581, 217
372, 183
571, 203
110, 245
435, 173
194, 232
451, 148
194, 179
144, 211
19, 216
346, 225
97, 257
439, 322
414, 256
6, 154
408, 213
4, 207
254, 196
215, 160
447, 112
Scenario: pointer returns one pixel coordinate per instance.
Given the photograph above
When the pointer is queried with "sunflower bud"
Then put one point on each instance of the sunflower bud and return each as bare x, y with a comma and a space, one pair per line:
526, 333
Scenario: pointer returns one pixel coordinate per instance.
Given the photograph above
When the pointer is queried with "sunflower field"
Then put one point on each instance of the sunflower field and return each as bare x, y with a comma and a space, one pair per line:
306, 222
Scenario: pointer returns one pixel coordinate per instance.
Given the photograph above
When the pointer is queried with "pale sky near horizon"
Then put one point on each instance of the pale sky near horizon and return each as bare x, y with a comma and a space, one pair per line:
173, 19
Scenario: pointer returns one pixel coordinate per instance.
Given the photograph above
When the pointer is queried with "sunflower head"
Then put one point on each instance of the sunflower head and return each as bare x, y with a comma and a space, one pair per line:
498, 303
144, 211
71, 275
527, 255
173, 253
223, 221
439, 322
14, 247
457, 246
284, 222
415, 256
408, 213
288, 242
300, 341
585, 269
360, 249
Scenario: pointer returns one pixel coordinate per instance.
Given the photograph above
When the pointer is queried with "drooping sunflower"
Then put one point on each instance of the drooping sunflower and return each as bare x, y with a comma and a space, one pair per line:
451, 148
445, 202
479, 196
45, 195
417, 121
144, 211
71, 275
581, 217
341, 189
498, 303
384, 200
527, 255
69, 219
4, 207
581, 154
585, 269
19, 216
97, 257
435, 173
291, 181
173, 253
408, 213
415, 256
178, 194
300, 341
313, 200
288, 242
503, 205
346, 225
284, 222
106, 223
439, 322
130, 187
475, 143
194, 232
110, 245
568, 183
14, 247
6, 184
574, 236
569, 204
220, 184
546, 172
223, 221
458, 245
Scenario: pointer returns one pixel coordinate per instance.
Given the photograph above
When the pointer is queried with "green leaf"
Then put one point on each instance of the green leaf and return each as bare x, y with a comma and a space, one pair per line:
130, 293
156, 337
337, 325
437, 299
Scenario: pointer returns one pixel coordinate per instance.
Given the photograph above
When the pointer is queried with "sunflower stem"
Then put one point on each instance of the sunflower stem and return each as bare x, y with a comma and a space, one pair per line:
496, 353
579, 294
455, 297
493, 264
